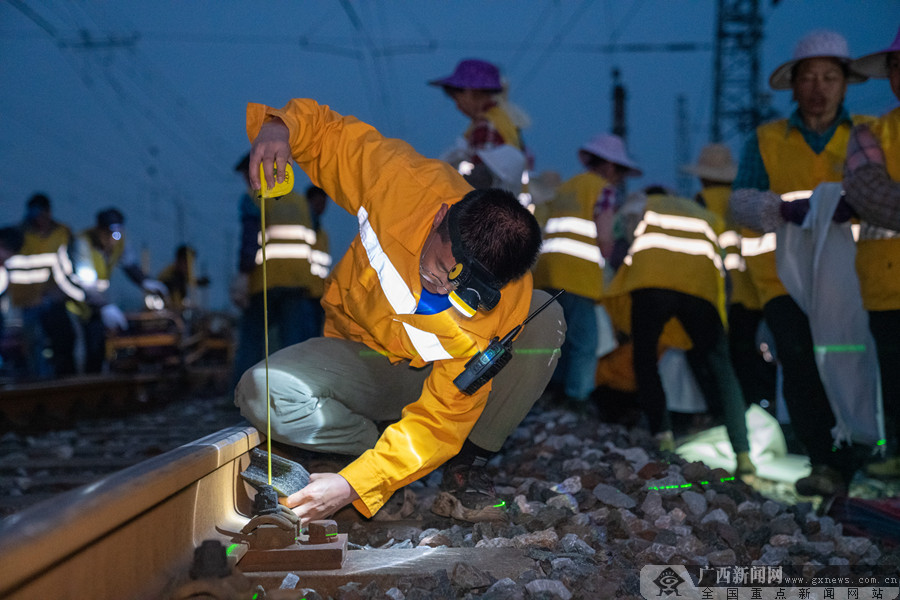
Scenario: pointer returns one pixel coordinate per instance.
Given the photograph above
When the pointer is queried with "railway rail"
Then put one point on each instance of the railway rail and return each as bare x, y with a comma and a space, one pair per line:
134, 533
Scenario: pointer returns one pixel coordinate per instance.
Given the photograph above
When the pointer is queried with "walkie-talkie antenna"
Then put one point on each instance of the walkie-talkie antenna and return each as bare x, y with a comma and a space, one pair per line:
512, 334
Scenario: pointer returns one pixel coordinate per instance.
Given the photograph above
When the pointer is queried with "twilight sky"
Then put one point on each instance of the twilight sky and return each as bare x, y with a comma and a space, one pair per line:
141, 104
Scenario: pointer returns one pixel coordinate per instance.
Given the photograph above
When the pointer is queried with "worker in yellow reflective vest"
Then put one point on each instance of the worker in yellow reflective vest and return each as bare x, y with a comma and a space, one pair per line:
872, 186
780, 158
437, 271
571, 260
492, 152
40, 285
180, 278
670, 291
11, 240
716, 169
297, 263
95, 253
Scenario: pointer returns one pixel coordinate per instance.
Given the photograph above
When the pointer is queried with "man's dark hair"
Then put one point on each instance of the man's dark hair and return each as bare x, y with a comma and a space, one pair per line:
110, 216
315, 190
39, 201
11, 238
182, 251
497, 231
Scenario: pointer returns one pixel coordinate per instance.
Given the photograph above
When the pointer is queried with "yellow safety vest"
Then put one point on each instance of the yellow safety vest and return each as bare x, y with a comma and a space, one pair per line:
676, 247
743, 291
41, 265
570, 258
95, 275
792, 166
878, 260
296, 254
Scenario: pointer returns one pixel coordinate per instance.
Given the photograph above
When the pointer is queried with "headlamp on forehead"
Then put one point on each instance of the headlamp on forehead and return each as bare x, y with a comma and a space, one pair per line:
473, 285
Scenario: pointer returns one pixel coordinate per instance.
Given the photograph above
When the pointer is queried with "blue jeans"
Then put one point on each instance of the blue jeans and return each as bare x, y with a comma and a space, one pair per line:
48, 324
576, 372
294, 317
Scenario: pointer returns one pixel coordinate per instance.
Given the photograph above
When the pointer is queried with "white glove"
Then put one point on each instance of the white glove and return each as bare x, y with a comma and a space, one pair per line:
154, 286
113, 317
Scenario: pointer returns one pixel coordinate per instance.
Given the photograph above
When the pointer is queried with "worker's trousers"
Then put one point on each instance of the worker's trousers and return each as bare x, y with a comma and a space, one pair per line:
330, 395
885, 327
804, 394
650, 310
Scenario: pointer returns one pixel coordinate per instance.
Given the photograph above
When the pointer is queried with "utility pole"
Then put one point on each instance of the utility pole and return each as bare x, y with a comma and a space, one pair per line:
682, 146
619, 127
618, 101
739, 103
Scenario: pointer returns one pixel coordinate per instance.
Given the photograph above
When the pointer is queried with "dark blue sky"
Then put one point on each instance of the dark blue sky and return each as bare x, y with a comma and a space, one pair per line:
141, 104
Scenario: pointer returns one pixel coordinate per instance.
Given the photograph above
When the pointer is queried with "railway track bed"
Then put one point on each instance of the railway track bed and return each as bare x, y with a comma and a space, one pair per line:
590, 504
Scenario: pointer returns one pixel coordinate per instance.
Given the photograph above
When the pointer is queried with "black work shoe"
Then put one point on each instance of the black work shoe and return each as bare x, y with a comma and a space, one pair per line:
822, 481
467, 493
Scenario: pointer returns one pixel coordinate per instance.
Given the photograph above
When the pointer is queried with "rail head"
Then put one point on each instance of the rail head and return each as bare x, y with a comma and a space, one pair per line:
48, 534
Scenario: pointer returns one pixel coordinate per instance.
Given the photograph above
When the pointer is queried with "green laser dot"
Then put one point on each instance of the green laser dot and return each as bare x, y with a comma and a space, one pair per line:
231, 548
727, 479
330, 534
881, 442
501, 504
704, 483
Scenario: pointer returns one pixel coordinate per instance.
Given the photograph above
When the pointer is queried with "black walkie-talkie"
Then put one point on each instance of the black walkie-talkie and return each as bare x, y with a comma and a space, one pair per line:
484, 365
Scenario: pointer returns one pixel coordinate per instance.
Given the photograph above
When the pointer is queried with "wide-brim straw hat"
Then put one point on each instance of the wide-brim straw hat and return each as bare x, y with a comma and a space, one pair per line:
474, 74
816, 44
714, 163
875, 64
610, 147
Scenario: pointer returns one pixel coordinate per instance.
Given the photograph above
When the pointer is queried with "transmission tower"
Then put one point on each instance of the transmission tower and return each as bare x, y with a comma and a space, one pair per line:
739, 104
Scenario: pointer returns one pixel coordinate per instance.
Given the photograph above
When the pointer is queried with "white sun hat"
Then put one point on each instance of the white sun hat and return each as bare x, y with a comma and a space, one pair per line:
875, 64
816, 44
610, 147
714, 163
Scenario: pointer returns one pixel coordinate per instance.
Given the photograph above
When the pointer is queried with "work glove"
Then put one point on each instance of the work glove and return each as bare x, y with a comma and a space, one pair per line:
795, 210
113, 317
863, 148
154, 286
843, 212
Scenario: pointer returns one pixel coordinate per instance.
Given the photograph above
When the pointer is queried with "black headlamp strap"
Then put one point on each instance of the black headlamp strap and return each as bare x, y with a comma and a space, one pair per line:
469, 272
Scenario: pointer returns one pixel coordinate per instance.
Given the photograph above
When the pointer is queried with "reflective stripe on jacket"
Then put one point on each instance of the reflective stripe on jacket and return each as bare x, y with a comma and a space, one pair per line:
675, 247
372, 293
41, 265
791, 165
294, 252
743, 291
878, 260
570, 258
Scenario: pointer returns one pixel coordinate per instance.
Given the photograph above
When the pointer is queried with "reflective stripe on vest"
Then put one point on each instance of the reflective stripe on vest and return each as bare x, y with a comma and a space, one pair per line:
398, 294
28, 269
566, 245
294, 242
582, 250
660, 240
755, 246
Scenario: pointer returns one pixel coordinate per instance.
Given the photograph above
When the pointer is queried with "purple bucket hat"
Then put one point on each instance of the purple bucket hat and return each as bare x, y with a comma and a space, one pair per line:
875, 64
472, 74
